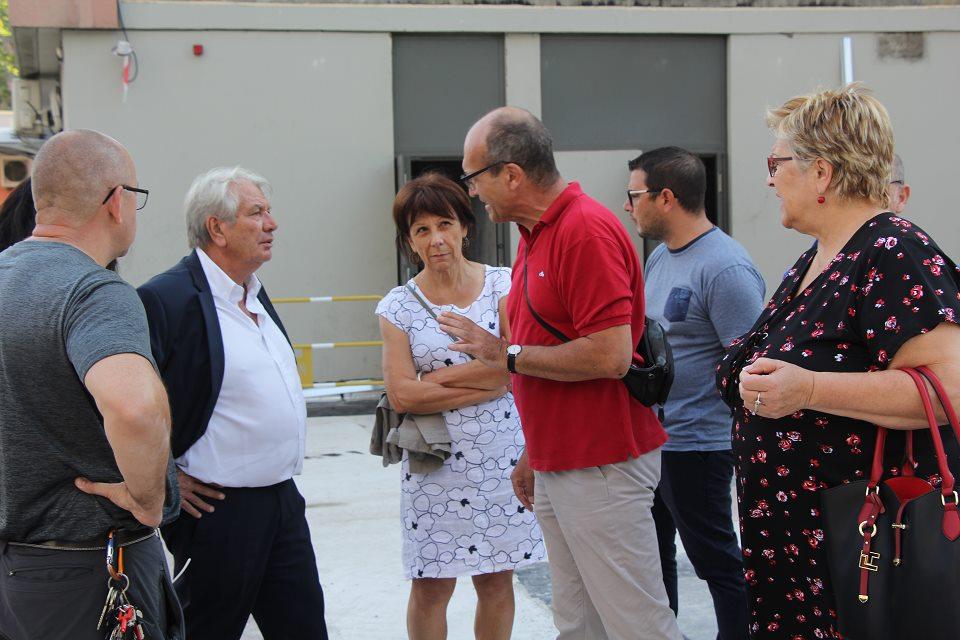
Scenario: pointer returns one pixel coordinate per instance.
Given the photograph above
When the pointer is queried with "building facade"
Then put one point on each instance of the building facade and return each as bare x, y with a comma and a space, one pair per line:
338, 104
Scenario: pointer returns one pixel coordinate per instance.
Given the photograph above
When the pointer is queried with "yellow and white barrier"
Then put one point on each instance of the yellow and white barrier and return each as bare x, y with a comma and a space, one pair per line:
357, 298
304, 351
346, 383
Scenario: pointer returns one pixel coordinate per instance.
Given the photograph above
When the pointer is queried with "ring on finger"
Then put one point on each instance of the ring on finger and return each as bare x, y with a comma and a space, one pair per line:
756, 404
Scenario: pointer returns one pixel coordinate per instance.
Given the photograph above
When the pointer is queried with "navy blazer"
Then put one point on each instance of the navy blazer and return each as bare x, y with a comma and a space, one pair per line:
187, 345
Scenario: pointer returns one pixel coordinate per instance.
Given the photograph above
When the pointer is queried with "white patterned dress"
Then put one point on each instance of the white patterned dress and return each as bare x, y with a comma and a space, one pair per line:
464, 519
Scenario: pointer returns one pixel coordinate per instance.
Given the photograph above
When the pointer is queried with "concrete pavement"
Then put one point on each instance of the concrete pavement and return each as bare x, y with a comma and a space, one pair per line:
354, 515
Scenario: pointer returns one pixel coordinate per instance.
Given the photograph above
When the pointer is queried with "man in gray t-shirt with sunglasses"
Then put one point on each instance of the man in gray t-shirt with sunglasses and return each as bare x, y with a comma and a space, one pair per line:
702, 287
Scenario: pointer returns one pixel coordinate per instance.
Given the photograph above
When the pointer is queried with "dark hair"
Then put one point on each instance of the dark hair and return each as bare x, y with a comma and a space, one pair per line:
675, 169
429, 193
524, 141
17, 215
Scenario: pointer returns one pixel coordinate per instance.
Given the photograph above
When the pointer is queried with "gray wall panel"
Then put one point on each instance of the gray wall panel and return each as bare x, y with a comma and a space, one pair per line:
441, 85
625, 92
309, 111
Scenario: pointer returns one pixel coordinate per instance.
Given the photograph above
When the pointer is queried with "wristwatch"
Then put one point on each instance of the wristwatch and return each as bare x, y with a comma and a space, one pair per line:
512, 352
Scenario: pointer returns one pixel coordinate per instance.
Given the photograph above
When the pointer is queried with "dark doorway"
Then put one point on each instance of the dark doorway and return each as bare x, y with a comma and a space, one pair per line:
489, 242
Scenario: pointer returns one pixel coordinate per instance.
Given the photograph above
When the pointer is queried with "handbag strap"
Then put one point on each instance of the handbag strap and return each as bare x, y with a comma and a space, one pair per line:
423, 303
429, 310
559, 335
872, 505
948, 494
947, 484
944, 398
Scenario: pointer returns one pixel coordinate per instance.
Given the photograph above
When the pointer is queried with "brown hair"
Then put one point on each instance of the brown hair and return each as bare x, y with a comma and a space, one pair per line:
847, 127
430, 193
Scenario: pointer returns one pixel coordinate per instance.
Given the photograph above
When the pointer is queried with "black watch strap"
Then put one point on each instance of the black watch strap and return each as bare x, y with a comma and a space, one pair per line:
511, 363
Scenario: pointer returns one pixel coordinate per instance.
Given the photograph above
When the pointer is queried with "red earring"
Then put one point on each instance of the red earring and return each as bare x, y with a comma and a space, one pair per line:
821, 199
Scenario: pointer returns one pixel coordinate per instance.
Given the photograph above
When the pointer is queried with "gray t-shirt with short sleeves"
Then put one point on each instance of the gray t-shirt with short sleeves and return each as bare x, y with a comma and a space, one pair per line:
704, 294
60, 313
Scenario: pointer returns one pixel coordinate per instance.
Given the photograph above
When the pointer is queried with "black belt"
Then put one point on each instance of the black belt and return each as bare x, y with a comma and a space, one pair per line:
123, 539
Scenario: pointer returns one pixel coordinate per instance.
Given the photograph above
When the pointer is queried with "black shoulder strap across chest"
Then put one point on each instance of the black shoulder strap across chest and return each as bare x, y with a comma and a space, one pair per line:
559, 335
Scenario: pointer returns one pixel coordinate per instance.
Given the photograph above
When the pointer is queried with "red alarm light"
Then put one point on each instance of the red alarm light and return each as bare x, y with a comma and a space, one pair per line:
198, 49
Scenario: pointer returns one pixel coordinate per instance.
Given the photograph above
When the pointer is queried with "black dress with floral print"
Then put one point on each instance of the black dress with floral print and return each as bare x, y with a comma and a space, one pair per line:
888, 284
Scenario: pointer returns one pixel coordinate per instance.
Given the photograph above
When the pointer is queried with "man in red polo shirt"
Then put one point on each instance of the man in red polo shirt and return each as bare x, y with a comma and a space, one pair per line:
594, 451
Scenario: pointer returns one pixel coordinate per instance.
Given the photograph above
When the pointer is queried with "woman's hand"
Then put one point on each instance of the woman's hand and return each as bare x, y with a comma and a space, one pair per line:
782, 388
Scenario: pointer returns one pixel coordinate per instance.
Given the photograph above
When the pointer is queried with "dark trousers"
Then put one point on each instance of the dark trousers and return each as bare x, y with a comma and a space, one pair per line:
252, 555
694, 500
48, 594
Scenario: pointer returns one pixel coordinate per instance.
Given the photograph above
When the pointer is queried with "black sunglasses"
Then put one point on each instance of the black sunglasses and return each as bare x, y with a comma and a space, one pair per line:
142, 195
467, 178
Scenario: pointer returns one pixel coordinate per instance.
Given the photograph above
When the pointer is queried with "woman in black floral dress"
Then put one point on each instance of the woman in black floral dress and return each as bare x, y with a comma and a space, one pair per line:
817, 372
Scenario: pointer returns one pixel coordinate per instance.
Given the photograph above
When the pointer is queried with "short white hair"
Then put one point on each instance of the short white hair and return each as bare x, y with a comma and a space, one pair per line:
211, 195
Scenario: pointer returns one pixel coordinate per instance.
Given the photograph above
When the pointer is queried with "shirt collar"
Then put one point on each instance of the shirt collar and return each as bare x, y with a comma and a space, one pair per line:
222, 286
554, 211
558, 206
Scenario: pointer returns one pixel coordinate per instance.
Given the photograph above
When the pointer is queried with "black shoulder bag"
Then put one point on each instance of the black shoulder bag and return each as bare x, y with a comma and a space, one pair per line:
650, 384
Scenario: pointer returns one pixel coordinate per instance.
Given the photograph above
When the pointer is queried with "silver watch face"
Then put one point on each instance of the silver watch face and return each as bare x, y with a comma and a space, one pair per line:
514, 349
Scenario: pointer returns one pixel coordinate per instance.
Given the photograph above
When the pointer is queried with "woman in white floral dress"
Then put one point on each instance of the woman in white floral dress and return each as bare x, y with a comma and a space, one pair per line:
463, 519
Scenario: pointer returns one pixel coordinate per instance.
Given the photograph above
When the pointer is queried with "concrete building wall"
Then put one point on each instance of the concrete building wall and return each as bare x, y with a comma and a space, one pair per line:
766, 70
312, 112
303, 94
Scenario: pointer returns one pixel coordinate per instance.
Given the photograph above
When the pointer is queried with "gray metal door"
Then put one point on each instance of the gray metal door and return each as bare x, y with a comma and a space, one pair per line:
605, 92
442, 84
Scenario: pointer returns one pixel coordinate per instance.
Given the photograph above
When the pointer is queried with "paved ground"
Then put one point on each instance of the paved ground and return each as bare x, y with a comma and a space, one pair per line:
353, 510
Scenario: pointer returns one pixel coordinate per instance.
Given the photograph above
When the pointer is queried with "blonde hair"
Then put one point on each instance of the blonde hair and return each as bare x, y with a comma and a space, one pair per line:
847, 127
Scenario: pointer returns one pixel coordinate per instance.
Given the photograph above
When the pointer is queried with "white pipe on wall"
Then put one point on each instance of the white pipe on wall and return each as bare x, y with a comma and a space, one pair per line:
846, 60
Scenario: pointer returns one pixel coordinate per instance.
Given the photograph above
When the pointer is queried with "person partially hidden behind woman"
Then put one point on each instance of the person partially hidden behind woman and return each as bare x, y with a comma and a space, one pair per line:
873, 295
462, 519
17, 215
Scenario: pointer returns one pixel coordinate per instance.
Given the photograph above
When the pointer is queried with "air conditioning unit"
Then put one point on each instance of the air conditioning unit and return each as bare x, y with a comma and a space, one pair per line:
27, 108
14, 170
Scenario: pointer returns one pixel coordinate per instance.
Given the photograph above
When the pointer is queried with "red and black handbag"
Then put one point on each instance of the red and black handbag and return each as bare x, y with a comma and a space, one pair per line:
894, 544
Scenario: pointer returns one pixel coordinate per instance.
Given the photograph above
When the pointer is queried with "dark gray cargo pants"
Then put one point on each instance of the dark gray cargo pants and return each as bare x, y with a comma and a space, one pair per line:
49, 594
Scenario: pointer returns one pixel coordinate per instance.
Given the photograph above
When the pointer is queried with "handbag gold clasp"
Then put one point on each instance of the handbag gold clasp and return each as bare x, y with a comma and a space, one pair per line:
869, 563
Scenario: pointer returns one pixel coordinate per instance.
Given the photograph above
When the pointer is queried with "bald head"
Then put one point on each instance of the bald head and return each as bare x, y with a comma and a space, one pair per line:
512, 134
75, 170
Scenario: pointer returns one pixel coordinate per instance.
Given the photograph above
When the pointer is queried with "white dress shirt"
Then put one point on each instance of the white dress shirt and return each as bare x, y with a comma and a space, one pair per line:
257, 432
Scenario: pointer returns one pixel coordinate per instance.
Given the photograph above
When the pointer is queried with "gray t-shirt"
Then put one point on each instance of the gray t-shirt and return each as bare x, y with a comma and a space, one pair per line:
704, 294
60, 313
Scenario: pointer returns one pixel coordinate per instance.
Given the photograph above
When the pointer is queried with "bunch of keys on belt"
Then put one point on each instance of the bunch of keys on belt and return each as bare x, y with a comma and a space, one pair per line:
119, 619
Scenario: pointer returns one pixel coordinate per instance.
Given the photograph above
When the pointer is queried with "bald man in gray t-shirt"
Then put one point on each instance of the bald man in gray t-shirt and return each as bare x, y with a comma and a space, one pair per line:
84, 421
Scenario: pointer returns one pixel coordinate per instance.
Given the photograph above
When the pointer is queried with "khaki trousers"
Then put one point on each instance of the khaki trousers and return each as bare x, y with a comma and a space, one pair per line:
603, 553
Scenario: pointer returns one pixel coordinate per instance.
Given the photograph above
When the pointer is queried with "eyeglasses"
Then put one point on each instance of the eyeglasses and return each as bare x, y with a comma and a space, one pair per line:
773, 162
636, 193
142, 195
468, 179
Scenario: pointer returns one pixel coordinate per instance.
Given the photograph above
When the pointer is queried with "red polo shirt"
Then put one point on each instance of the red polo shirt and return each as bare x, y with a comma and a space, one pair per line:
583, 276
